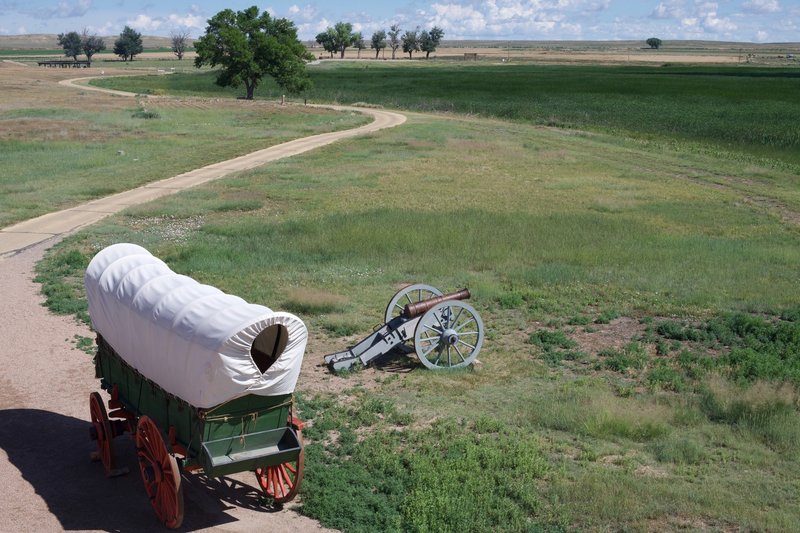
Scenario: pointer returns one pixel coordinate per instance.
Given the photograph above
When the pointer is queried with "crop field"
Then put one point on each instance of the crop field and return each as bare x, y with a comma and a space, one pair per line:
637, 274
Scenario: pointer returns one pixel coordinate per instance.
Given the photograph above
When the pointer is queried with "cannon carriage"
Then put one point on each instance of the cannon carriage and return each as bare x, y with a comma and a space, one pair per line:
203, 380
445, 332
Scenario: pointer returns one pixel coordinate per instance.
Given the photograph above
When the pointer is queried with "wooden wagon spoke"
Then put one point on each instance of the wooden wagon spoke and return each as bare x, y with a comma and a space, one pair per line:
160, 474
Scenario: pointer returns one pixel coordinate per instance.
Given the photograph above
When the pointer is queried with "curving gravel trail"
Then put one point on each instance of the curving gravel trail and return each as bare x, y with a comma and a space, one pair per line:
49, 483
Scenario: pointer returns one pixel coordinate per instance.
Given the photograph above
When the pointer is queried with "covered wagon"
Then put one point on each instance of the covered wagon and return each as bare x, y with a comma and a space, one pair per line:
203, 379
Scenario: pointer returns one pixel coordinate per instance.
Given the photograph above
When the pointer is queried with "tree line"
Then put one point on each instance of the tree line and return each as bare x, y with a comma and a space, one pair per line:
340, 36
126, 46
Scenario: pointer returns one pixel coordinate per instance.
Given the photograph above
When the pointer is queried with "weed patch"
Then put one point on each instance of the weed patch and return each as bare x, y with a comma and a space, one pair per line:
555, 346
631, 356
417, 480
61, 277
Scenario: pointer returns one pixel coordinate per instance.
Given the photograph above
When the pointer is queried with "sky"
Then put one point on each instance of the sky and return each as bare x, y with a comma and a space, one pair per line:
757, 21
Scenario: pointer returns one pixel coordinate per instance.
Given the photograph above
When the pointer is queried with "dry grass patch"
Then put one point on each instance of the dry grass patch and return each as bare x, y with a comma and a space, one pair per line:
46, 130
313, 301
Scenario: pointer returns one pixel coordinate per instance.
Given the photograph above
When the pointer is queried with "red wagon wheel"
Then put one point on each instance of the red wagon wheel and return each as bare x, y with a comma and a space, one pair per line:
281, 482
162, 478
101, 432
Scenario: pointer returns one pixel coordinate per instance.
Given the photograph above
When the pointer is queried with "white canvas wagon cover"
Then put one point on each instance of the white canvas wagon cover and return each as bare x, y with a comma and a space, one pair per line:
196, 342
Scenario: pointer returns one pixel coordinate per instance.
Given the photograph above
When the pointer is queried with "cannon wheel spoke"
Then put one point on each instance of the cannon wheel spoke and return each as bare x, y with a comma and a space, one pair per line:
102, 432
160, 473
409, 295
449, 335
281, 482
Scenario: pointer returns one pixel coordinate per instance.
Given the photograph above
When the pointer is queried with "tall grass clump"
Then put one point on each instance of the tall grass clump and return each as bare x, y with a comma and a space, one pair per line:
768, 411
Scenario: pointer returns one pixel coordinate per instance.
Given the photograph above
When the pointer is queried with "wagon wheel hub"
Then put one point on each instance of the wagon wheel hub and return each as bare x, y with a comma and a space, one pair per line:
449, 337
153, 473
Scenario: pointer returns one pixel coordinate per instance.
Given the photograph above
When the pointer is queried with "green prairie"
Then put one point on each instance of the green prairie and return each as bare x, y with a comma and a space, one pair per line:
56, 157
736, 110
640, 368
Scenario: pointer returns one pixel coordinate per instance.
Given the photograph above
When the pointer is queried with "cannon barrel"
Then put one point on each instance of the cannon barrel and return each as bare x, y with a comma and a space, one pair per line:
419, 308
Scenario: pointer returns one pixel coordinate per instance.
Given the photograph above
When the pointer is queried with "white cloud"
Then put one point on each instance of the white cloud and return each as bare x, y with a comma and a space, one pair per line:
512, 18
305, 14
65, 10
762, 36
761, 6
144, 23
718, 25
187, 21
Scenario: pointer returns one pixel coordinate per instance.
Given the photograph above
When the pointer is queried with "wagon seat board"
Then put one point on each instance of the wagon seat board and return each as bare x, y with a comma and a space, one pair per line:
196, 342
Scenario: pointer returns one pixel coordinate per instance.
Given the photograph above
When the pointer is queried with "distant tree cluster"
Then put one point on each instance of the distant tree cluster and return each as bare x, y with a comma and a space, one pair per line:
75, 44
339, 37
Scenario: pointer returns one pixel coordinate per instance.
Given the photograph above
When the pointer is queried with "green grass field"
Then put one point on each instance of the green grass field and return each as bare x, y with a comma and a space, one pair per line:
58, 157
641, 365
735, 110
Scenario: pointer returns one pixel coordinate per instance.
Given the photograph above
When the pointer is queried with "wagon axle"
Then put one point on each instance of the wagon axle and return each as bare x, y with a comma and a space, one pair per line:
445, 331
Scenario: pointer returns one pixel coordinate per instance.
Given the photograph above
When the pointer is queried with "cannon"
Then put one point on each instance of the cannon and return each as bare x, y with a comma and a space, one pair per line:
201, 379
444, 331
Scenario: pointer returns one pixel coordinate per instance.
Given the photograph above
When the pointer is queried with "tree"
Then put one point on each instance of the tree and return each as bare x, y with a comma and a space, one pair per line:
328, 40
378, 42
429, 40
91, 44
71, 42
180, 41
128, 44
358, 42
410, 42
343, 36
249, 46
394, 38
653, 42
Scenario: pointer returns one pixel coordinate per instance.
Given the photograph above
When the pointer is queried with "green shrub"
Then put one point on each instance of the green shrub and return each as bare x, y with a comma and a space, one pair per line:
673, 330
633, 355
551, 339
666, 378
555, 346
143, 113
607, 316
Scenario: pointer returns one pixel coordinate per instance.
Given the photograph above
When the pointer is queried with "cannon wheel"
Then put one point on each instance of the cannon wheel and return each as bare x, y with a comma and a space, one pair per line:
409, 295
101, 426
449, 335
281, 482
162, 478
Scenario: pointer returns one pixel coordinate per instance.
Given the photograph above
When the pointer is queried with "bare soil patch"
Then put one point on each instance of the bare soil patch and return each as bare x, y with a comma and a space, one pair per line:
32, 87
614, 335
44, 130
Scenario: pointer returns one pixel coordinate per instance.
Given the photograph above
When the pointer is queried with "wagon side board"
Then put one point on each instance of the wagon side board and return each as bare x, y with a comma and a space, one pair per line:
242, 434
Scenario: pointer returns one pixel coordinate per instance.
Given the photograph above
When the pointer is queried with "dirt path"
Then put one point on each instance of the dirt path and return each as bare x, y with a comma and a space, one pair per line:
19, 236
49, 484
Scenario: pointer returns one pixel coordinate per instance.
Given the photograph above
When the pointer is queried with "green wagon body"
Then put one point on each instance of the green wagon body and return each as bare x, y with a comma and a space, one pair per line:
242, 434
